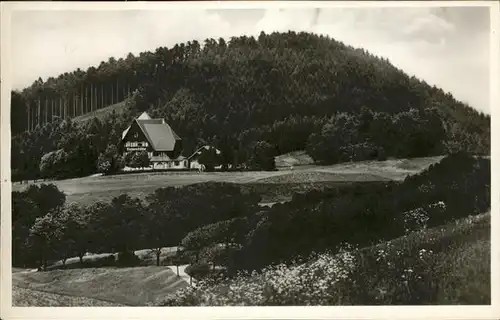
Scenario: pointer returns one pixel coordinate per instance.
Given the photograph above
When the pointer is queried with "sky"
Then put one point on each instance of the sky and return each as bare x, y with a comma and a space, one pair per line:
447, 47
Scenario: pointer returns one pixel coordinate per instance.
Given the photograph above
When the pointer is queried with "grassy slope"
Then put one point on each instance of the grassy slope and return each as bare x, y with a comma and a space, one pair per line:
101, 113
127, 286
461, 260
89, 189
22, 297
444, 265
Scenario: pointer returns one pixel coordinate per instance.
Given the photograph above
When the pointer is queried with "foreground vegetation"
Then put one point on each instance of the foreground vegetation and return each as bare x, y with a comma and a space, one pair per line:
449, 264
253, 98
220, 229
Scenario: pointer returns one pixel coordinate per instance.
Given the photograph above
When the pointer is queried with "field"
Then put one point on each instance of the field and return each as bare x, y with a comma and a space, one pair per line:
94, 286
89, 189
22, 297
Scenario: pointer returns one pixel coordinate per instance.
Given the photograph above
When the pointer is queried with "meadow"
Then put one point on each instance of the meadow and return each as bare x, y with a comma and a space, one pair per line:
113, 286
90, 189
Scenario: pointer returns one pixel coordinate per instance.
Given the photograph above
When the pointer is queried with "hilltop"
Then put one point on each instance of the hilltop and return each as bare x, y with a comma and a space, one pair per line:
253, 98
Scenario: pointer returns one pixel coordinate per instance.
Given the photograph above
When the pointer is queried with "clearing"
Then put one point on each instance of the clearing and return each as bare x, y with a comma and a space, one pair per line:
89, 189
102, 113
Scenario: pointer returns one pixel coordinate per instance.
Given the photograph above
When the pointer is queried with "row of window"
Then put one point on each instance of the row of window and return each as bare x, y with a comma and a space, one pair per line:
176, 164
136, 144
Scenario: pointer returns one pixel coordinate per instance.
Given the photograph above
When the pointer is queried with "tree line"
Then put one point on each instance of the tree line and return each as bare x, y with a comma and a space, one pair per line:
46, 228
278, 93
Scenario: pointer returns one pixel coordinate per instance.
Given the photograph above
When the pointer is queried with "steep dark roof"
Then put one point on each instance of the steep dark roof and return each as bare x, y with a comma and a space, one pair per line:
158, 133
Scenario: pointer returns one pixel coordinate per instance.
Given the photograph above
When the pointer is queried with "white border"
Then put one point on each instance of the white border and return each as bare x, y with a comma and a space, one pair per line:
452, 312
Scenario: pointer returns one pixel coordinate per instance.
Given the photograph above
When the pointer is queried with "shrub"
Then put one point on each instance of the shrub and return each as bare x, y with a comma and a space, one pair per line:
128, 259
198, 270
108, 261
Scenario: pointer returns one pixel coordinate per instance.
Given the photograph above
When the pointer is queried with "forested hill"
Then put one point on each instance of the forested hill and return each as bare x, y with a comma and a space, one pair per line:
252, 97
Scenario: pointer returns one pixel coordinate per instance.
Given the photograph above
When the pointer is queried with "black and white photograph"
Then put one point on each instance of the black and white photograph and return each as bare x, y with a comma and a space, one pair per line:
252, 156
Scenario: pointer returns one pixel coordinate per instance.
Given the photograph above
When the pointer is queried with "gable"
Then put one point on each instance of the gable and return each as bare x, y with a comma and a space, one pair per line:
144, 116
134, 133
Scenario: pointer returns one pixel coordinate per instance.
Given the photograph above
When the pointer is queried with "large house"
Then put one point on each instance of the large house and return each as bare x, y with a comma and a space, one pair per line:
156, 137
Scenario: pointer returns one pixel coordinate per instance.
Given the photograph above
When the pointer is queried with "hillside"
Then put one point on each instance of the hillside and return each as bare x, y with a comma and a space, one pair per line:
106, 286
291, 91
22, 297
101, 114
448, 264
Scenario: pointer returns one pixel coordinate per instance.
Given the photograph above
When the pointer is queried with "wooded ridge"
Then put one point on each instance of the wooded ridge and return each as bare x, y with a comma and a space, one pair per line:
253, 98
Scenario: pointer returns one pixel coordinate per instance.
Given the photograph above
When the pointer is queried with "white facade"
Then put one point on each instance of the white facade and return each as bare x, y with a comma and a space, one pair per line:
167, 163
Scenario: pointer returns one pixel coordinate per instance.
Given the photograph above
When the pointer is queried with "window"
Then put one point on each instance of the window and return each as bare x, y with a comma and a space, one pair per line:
144, 144
176, 163
185, 163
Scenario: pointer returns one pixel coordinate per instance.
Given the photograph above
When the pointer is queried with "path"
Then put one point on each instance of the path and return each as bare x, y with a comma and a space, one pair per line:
182, 273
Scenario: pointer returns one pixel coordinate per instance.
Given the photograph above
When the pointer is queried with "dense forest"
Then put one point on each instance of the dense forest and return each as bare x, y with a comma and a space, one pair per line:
253, 98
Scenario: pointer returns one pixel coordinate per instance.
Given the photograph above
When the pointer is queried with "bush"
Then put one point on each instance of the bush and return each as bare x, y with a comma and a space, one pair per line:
362, 151
128, 259
198, 270
108, 261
